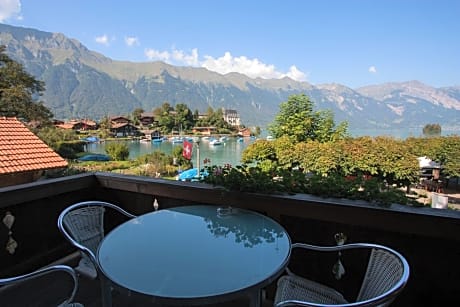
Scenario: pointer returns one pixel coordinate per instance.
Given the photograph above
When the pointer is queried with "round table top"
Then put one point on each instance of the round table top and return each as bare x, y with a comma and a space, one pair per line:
195, 252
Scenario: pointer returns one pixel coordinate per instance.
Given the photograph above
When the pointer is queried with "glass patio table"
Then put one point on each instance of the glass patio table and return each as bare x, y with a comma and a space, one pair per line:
196, 255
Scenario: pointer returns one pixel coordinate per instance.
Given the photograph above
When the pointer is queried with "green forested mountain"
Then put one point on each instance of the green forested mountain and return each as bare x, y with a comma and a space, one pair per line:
82, 83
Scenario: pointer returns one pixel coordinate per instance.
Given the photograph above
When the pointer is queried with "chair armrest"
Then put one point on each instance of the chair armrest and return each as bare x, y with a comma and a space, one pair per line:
42, 272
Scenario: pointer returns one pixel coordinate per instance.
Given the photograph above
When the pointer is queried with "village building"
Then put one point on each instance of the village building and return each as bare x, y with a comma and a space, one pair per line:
77, 125
245, 132
147, 118
204, 130
124, 130
231, 116
23, 156
119, 120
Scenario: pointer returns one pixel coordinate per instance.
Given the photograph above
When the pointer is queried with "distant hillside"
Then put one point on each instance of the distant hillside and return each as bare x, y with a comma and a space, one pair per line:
82, 83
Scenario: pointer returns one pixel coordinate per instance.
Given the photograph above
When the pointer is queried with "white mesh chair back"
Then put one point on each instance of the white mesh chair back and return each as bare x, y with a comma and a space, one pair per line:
37, 288
82, 224
86, 226
384, 270
386, 276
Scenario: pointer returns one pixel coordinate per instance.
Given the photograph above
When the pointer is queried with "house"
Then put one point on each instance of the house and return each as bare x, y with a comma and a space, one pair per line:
75, 124
245, 132
23, 156
204, 130
88, 124
147, 118
232, 117
119, 120
124, 129
429, 168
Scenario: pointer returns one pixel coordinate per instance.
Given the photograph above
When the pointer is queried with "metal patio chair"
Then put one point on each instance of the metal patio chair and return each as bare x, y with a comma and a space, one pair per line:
386, 276
28, 289
82, 224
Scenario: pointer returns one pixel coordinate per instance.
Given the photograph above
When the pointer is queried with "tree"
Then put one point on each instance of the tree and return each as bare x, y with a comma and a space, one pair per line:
65, 142
19, 92
117, 151
184, 117
136, 115
263, 152
165, 119
300, 122
432, 130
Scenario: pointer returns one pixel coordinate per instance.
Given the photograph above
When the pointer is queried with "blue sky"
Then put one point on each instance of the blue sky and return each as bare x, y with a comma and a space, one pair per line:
351, 42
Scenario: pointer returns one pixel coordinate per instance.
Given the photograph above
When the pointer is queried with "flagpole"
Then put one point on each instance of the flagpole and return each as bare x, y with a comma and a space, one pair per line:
197, 141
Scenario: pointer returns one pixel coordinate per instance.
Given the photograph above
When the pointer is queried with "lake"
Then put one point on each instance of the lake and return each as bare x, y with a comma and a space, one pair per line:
228, 152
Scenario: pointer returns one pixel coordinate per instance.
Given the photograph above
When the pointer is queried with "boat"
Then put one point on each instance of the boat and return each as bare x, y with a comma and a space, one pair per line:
191, 175
215, 142
94, 157
157, 139
176, 140
144, 141
92, 139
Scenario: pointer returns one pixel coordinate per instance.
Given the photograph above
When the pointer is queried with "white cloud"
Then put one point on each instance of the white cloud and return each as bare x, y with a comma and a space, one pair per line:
155, 55
103, 39
188, 59
227, 63
372, 69
131, 41
296, 74
10, 9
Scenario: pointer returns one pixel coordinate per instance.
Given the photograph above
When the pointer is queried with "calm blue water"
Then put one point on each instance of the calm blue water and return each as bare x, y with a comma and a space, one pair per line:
229, 152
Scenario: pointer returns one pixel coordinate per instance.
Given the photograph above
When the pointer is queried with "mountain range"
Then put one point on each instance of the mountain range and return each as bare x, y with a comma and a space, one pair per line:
81, 83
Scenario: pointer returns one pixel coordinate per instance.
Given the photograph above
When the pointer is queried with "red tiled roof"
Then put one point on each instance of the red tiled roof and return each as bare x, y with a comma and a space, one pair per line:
23, 151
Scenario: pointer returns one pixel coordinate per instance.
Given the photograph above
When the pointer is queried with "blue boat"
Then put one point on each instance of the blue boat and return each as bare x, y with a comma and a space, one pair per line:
92, 139
156, 137
94, 157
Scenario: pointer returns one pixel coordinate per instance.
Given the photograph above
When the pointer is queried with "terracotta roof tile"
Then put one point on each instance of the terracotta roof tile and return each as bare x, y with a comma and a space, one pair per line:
21, 150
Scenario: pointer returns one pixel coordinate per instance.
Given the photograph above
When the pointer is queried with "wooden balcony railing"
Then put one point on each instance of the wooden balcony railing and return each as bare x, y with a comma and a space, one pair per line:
428, 238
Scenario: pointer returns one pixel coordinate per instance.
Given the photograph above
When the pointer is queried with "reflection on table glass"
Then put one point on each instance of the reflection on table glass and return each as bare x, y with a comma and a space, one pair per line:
193, 253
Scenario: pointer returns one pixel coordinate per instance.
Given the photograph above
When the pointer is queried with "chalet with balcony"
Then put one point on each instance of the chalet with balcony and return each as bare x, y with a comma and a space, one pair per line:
84, 124
23, 156
124, 130
147, 118
119, 120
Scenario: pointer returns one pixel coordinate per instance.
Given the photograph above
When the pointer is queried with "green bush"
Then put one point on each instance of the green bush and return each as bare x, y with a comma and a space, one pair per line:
117, 151
255, 179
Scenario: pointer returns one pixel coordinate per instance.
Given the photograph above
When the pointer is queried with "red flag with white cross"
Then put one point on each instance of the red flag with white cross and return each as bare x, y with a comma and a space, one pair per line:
187, 150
